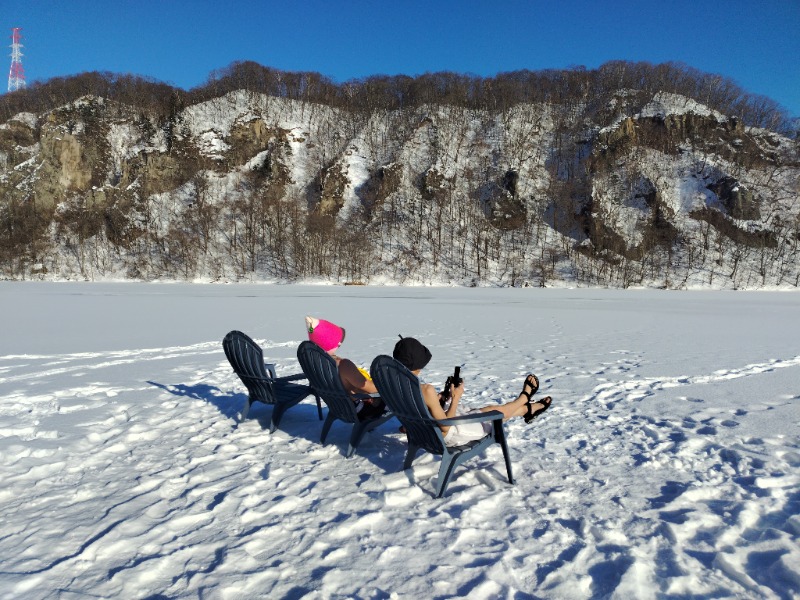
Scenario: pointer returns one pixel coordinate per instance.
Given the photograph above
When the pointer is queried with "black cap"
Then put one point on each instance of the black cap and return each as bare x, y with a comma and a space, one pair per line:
411, 353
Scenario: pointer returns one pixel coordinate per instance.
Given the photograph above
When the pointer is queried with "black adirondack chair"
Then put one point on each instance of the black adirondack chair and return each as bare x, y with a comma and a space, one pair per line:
400, 389
247, 360
323, 375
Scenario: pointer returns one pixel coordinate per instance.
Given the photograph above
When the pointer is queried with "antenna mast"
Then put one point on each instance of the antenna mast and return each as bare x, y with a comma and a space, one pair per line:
16, 76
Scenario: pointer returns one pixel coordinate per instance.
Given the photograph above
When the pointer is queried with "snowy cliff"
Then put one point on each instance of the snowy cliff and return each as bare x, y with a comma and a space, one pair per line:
654, 190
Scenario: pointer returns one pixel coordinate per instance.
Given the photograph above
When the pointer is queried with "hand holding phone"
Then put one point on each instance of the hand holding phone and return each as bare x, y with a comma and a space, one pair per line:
456, 378
453, 380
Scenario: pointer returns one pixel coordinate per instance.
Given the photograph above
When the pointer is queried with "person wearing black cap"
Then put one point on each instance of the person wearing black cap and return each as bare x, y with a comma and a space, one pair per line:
414, 356
411, 353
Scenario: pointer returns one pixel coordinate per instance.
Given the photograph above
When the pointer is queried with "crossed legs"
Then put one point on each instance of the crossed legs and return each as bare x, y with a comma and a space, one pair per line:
522, 406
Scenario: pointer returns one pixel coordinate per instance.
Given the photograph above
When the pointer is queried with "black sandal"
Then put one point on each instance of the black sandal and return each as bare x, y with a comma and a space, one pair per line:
530, 415
534, 386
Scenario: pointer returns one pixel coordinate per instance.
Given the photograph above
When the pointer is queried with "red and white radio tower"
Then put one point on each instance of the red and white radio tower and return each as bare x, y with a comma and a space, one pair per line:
16, 76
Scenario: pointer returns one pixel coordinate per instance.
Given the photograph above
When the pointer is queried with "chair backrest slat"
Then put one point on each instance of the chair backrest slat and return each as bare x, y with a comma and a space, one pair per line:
323, 375
400, 389
247, 360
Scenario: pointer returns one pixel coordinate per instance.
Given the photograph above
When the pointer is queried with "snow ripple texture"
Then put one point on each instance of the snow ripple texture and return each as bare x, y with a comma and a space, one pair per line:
668, 466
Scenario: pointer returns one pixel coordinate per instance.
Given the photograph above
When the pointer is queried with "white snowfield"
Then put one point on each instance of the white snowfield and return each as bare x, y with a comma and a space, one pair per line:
667, 467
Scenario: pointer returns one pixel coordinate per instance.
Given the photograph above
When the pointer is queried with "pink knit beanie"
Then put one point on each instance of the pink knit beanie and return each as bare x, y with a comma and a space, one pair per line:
324, 334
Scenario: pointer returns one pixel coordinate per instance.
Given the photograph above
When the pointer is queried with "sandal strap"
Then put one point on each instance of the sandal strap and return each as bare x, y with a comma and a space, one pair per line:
531, 415
534, 386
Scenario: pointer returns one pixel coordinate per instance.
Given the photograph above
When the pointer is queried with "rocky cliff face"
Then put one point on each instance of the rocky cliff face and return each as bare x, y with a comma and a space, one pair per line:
667, 195
666, 169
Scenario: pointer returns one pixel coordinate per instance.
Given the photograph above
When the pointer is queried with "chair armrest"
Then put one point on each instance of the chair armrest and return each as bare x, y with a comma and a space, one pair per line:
256, 378
275, 379
364, 395
295, 377
492, 415
270, 367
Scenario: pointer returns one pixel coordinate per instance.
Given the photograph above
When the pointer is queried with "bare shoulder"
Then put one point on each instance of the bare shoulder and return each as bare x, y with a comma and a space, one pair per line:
431, 398
429, 394
346, 363
347, 368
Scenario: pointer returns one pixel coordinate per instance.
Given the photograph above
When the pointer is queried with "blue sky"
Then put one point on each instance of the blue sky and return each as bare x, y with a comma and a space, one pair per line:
755, 42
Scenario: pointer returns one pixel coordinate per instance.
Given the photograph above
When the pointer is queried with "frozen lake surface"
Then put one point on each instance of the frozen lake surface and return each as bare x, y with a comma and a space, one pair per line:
668, 465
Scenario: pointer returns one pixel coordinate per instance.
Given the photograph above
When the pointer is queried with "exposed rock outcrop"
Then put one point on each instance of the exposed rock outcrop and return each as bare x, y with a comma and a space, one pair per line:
243, 171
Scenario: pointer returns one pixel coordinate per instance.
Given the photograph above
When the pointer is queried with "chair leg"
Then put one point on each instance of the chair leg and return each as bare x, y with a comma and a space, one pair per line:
412, 452
326, 427
500, 437
277, 414
508, 461
445, 471
359, 429
319, 406
245, 410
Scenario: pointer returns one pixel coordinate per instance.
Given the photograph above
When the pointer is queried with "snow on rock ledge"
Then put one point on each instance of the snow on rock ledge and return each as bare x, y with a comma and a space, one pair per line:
665, 103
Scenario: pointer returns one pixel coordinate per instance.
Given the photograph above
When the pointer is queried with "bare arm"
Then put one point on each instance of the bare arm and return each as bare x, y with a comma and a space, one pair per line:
431, 397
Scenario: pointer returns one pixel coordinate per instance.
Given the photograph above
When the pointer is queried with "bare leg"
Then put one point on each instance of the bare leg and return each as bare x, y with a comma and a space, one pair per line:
518, 407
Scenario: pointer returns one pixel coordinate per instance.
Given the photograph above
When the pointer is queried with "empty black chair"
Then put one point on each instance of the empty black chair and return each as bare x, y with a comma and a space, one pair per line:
323, 374
400, 389
247, 360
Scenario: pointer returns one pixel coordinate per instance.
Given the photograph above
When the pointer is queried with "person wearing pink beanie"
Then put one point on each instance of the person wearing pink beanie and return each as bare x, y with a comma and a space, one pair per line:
329, 337
324, 334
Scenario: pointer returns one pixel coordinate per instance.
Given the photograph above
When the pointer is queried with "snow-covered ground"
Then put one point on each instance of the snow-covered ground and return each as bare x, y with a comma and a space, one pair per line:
668, 466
